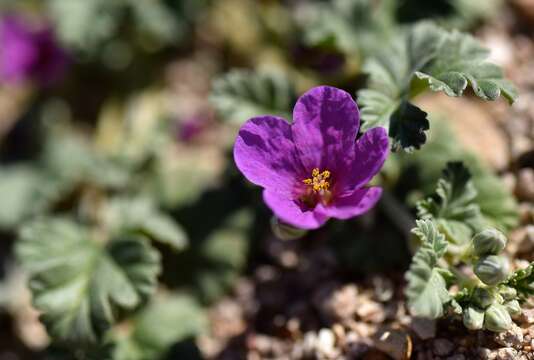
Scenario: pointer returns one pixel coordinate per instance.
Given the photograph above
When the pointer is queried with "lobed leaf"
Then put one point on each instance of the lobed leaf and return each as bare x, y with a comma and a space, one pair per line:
426, 56
240, 95
461, 61
164, 322
348, 25
140, 215
497, 205
453, 205
78, 284
523, 281
427, 289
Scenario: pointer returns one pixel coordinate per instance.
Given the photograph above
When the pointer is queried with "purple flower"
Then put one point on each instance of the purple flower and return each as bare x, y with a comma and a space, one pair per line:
313, 169
28, 53
191, 127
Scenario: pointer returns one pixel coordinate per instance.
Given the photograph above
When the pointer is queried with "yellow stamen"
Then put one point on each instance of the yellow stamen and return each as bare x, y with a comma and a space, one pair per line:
318, 180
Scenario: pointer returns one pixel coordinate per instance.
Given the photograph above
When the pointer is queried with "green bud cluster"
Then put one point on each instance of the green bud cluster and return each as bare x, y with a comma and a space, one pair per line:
497, 318
489, 267
491, 309
489, 242
492, 269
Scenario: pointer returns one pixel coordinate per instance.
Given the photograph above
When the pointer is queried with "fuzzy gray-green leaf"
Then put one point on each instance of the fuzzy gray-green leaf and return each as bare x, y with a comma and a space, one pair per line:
78, 284
165, 321
453, 205
142, 215
241, 94
426, 56
461, 61
426, 290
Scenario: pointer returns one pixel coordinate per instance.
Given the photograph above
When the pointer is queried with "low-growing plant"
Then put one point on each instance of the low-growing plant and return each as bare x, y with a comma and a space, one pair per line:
459, 268
128, 237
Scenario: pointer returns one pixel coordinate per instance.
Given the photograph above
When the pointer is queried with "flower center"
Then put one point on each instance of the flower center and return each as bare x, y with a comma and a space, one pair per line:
318, 182
317, 188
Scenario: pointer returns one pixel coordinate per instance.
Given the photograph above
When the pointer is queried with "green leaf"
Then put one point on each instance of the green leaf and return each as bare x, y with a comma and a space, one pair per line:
142, 216
164, 322
79, 284
497, 204
407, 127
427, 290
461, 61
70, 159
349, 25
241, 94
426, 56
88, 26
213, 262
25, 191
453, 205
523, 281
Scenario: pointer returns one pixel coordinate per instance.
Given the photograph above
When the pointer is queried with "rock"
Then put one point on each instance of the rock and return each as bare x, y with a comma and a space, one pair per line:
395, 343
520, 145
370, 311
326, 344
424, 328
506, 353
227, 319
480, 134
528, 316
526, 213
512, 337
483, 353
355, 347
308, 344
336, 302
524, 8
522, 240
442, 347
525, 184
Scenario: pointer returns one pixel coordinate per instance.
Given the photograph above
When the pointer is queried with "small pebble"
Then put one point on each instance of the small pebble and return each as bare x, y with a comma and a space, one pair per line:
506, 353
512, 337
424, 328
326, 342
525, 184
442, 347
528, 317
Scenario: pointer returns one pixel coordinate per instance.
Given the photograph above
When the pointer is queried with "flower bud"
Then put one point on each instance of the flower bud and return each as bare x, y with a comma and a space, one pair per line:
473, 318
482, 297
489, 242
513, 308
492, 269
497, 318
284, 231
508, 293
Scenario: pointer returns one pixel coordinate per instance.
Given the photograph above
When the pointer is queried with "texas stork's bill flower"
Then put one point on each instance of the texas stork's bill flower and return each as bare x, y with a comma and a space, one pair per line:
29, 52
313, 169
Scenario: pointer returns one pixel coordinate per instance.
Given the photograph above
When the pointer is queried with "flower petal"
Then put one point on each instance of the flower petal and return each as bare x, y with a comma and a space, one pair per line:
371, 151
326, 121
19, 52
264, 152
354, 204
291, 213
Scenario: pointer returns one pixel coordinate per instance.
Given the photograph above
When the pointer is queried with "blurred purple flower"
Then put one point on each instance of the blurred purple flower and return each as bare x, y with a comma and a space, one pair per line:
191, 127
313, 169
29, 54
